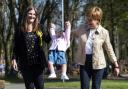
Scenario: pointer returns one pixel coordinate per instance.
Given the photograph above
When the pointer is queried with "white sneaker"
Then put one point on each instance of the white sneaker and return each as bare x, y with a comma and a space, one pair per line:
53, 75
64, 77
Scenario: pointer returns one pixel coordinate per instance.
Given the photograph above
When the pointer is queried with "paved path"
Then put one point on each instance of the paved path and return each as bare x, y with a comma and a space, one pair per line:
14, 86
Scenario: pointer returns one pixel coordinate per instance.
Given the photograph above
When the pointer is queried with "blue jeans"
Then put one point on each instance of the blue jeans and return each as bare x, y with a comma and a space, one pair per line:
87, 73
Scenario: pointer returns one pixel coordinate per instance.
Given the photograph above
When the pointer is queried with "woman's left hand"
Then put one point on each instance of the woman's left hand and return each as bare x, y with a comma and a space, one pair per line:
116, 71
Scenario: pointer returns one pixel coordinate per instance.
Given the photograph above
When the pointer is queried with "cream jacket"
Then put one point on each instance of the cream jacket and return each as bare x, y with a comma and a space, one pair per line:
100, 41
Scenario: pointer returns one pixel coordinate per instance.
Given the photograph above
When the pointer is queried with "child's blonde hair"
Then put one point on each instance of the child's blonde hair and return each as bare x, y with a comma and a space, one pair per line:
95, 13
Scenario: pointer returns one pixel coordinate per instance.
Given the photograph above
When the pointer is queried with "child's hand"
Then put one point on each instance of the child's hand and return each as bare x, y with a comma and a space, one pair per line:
67, 25
52, 25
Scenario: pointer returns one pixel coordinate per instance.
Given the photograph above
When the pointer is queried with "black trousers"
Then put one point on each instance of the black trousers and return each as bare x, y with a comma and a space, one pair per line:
33, 77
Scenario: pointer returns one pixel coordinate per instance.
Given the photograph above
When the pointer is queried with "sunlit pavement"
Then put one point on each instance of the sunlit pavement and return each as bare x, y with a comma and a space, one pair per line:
14, 86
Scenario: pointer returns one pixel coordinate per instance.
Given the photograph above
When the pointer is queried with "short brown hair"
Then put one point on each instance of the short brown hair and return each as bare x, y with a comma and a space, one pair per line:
94, 13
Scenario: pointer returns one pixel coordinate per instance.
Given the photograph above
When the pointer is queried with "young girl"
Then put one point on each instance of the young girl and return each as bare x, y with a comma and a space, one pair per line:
60, 43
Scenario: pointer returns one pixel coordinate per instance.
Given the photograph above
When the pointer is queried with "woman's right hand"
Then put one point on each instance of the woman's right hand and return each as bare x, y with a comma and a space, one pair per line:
14, 64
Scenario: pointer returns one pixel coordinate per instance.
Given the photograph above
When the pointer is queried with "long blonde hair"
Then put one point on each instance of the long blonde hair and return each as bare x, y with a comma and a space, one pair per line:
24, 20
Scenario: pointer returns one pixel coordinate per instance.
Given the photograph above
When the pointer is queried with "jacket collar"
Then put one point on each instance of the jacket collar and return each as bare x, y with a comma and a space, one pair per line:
99, 28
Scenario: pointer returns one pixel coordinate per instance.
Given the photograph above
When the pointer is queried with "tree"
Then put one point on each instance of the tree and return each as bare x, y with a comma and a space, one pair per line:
74, 12
115, 18
11, 15
8, 24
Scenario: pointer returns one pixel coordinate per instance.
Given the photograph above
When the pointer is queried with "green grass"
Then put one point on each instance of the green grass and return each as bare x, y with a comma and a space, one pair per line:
12, 79
60, 84
114, 84
106, 84
74, 83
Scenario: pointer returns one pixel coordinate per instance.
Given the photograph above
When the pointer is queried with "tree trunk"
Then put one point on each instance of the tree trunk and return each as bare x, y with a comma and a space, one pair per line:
116, 42
7, 61
114, 34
